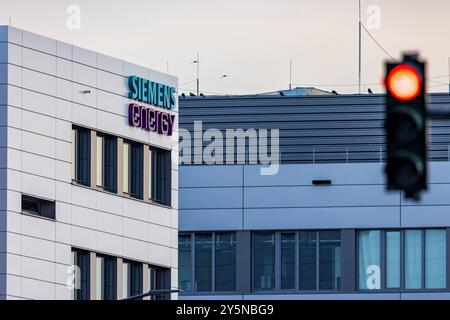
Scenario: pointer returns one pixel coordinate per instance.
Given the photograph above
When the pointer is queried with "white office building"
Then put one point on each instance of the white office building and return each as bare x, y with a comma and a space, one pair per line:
88, 184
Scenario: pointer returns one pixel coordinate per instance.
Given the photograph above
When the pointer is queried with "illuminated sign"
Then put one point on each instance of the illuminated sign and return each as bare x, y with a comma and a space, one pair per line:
155, 94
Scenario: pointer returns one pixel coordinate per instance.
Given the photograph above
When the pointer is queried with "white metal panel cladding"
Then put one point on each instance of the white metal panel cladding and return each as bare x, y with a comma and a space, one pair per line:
343, 128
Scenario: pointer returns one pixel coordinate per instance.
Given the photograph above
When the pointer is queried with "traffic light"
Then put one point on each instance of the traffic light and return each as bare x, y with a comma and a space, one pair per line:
405, 126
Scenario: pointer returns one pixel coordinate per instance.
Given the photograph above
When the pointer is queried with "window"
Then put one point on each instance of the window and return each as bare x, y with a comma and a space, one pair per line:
393, 265
203, 262
132, 279
106, 162
225, 261
329, 260
308, 260
106, 278
81, 260
184, 263
214, 266
159, 279
413, 259
160, 176
369, 259
288, 260
301, 261
133, 168
81, 155
407, 259
264, 260
435, 259
38, 207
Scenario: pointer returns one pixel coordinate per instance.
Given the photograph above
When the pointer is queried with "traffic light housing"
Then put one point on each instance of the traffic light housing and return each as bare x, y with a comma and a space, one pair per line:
405, 125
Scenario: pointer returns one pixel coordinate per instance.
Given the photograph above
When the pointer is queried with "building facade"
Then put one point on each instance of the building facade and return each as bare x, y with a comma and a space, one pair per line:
322, 226
88, 173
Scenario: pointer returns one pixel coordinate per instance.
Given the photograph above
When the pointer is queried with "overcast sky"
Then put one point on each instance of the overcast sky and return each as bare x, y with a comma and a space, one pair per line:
252, 41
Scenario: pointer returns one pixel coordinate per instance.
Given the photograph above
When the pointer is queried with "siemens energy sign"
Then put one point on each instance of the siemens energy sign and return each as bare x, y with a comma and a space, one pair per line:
155, 94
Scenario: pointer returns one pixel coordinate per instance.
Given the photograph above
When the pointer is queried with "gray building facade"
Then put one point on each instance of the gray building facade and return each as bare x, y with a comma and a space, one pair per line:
323, 226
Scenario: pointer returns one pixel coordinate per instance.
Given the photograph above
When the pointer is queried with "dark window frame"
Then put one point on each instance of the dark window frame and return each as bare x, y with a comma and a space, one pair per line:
135, 169
161, 179
84, 293
109, 291
109, 164
38, 207
277, 251
82, 156
193, 277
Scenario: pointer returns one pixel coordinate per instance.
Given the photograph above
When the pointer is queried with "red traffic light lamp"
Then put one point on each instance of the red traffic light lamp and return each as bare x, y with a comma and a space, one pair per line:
404, 82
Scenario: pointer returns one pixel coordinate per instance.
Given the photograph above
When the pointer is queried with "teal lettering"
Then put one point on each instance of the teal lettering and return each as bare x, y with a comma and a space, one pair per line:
160, 95
153, 94
132, 83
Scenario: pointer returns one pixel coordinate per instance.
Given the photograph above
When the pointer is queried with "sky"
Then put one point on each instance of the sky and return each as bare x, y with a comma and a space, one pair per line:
251, 41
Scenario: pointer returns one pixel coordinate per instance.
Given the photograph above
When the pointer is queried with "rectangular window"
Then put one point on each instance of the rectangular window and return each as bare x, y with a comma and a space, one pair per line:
369, 259
106, 278
225, 264
38, 207
82, 262
308, 260
159, 279
393, 259
160, 176
184, 263
133, 169
81, 155
402, 259
435, 259
203, 261
413, 259
132, 279
329, 260
264, 260
287, 260
107, 162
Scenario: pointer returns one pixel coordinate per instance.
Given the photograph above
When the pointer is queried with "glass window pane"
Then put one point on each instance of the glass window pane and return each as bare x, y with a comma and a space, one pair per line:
307, 258
99, 278
225, 256
413, 259
81, 260
287, 260
110, 278
125, 279
150, 173
330, 260
392, 259
136, 278
99, 163
126, 167
369, 260
203, 261
264, 260
184, 263
435, 259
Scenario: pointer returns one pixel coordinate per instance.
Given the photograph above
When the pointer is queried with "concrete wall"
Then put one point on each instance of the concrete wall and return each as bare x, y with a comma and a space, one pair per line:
44, 79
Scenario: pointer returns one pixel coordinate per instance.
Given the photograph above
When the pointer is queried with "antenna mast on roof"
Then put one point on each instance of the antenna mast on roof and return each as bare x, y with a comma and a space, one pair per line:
290, 74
